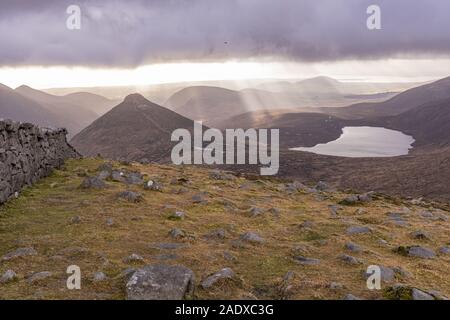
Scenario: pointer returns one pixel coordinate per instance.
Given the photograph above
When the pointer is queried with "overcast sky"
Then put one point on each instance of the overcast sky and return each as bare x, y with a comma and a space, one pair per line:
136, 32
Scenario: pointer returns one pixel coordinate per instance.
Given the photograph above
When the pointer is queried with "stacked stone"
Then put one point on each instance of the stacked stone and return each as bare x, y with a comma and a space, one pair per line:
28, 153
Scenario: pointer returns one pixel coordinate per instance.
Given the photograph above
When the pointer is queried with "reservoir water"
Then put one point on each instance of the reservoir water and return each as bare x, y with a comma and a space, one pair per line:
358, 142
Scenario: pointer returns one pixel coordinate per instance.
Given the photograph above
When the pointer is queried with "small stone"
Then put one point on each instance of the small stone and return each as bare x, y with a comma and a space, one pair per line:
75, 220
8, 276
348, 259
228, 256
421, 252
118, 176
275, 211
252, 237
134, 178
99, 277
18, 253
38, 276
351, 297
254, 212
444, 250
336, 286
167, 246
306, 224
387, 274
306, 261
417, 294
133, 258
199, 198
160, 282
178, 215
177, 233
153, 186
130, 196
219, 234
358, 230
220, 175
420, 235
322, 186
224, 274
110, 222
350, 246
93, 183
334, 209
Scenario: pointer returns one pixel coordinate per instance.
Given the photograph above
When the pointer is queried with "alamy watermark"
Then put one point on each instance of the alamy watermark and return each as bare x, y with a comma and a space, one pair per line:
239, 146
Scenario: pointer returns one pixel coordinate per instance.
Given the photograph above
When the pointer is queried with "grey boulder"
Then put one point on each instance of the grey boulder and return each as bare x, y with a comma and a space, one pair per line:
160, 282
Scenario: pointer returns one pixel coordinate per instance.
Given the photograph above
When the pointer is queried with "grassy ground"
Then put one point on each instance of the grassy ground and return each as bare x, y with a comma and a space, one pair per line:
41, 218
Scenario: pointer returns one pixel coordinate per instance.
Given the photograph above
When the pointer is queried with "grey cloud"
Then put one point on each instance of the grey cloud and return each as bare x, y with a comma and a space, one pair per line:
133, 32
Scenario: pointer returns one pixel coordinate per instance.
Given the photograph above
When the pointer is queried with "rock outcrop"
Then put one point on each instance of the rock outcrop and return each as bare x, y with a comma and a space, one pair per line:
28, 153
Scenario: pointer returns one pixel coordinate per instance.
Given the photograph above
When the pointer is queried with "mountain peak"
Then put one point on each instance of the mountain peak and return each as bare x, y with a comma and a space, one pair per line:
135, 98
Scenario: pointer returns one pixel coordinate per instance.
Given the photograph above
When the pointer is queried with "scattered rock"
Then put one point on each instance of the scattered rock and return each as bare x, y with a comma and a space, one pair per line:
357, 199
348, 259
306, 224
38, 276
334, 209
110, 222
220, 175
135, 178
286, 285
275, 211
133, 258
153, 186
167, 246
18, 253
416, 251
178, 215
160, 282
8, 276
118, 176
75, 220
218, 234
351, 297
228, 256
93, 183
323, 186
420, 235
199, 198
130, 196
387, 274
252, 237
255, 212
444, 250
99, 277
177, 233
358, 230
218, 277
306, 261
336, 286
404, 292
353, 247
103, 175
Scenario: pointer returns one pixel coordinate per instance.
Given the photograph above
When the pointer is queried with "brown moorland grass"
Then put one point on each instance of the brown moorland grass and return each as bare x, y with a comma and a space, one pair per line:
41, 218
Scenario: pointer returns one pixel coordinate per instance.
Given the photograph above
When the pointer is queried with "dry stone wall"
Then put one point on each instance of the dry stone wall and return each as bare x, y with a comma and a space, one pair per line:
28, 153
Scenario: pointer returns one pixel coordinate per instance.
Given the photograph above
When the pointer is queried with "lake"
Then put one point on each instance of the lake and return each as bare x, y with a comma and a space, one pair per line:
356, 142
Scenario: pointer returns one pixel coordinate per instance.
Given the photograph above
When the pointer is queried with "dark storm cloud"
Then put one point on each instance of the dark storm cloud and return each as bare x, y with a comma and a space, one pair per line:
129, 33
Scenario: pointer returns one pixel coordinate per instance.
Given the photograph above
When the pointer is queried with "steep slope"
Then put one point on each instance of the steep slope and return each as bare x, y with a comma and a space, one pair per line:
428, 123
133, 130
19, 108
93, 102
206, 103
72, 115
408, 100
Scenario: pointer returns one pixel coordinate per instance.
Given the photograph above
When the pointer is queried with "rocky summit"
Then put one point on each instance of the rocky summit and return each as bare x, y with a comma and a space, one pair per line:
135, 242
